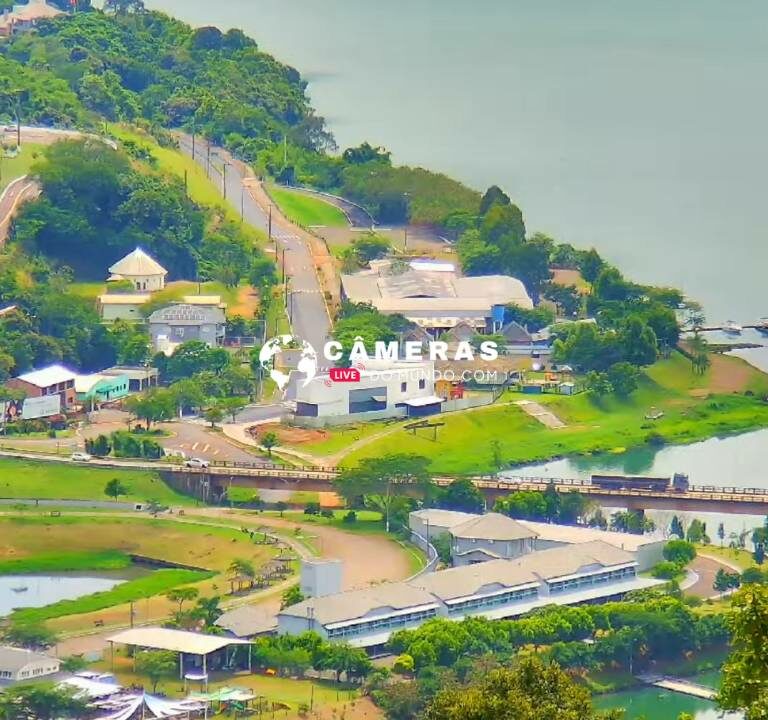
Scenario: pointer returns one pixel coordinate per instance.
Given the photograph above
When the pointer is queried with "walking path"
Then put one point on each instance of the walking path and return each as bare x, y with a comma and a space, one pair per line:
17, 192
544, 415
705, 568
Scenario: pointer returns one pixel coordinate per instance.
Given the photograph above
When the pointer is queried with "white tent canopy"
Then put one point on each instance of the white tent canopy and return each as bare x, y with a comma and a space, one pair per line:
147, 706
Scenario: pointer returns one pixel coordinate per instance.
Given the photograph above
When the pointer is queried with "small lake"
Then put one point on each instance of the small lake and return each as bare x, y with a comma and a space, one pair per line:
738, 461
655, 704
47, 589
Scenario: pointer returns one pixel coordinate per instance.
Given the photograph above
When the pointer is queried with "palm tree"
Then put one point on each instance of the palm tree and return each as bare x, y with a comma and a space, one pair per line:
700, 360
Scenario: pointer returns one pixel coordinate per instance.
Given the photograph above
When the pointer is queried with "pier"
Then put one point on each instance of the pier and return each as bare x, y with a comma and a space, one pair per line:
679, 685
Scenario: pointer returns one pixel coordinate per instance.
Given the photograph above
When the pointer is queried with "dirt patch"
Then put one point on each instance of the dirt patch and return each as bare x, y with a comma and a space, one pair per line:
727, 376
288, 435
247, 302
570, 278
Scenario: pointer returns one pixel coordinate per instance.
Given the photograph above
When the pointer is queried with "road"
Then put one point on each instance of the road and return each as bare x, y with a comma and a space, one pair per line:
11, 198
307, 309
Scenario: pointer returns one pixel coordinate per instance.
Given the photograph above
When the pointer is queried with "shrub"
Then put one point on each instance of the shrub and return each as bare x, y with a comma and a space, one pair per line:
312, 508
327, 513
680, 552
350, 517
666, 570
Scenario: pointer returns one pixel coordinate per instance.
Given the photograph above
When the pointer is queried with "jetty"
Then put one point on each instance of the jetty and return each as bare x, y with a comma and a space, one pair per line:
679, 685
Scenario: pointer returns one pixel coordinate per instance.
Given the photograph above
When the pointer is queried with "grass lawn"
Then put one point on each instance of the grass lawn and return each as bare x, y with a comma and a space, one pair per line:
306, 210
740, 558
87, 290
45, 480
66, 562
196, 545
337, 439
14, 167
465, 445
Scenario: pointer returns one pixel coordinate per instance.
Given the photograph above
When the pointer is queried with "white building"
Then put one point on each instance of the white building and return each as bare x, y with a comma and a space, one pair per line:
320, 577
122, 306
586, 573
24, 17
398, 389
476, 538
144, 272
19, 665
434, 296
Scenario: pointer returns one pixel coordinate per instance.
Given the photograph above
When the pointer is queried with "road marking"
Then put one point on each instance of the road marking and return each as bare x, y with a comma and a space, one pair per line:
216, 451
206, 448
194, 446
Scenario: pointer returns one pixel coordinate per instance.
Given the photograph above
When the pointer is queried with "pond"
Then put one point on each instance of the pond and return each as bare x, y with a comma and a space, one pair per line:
736, 461
23, 591
648, 703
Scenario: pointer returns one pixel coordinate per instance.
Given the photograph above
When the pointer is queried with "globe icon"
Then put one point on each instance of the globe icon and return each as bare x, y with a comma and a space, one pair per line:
307, 364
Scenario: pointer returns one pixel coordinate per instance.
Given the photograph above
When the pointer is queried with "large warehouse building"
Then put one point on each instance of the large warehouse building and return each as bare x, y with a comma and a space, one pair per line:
576, 574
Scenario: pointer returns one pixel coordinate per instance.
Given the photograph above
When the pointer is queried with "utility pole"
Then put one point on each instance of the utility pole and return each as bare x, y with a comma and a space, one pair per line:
285, 150
269, 223
283, 263
193, 137
242, 203
224, 178
208, 159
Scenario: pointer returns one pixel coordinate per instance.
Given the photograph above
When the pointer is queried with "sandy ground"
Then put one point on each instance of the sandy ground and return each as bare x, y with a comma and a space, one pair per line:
727, 376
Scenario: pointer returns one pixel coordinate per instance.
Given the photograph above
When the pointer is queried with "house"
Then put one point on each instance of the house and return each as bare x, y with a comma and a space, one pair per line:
19, 665
475, 540
248, 621
384, 389
54, 381
577, 574
489, 537
122, 306
98, 388
434, 296
142, 271
175, 324
24, 17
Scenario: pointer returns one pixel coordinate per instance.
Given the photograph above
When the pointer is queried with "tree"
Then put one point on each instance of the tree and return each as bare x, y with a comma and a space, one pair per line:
679, 552
443, 547
383, 479
753, 575
123, 7
403, 665
721, 533
182, 595
232, 406
590, 265
725, 580
676, 527
41, 701
114, 489
697, 532
638, 342
532, 690
623, 378
156, 664
699, 352
100, 446
759, 554
745, 673
598, 384
153, 406
214, 415
187, 393
27, 635
268, 441
566, 297
462, 495
292, 596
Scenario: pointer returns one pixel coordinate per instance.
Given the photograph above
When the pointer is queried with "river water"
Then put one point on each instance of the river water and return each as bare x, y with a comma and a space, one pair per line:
635, 127
23, 591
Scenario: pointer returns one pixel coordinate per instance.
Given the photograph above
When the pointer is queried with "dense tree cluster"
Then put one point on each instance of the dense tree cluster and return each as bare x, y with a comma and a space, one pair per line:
550, 505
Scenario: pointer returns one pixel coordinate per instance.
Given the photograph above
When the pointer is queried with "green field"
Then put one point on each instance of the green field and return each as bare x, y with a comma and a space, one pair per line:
61, 481
14, 167
306, 210
465, 444
66, 562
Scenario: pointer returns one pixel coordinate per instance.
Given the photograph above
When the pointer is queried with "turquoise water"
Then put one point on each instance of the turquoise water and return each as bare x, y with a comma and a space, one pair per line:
636, 127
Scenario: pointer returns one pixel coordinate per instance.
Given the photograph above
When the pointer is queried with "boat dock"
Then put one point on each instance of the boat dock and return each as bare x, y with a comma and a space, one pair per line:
679, 685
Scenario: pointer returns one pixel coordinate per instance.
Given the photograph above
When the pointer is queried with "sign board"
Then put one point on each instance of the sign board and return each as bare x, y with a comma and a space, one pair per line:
31, 408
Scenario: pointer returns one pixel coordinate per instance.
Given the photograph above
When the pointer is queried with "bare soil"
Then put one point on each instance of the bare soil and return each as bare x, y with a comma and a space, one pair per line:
289, 435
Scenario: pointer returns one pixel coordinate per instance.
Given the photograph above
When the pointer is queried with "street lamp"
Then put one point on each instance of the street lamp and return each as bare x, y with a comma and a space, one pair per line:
406, 199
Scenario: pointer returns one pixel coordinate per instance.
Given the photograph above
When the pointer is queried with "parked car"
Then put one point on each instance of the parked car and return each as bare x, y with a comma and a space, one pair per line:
197, 463
80, 457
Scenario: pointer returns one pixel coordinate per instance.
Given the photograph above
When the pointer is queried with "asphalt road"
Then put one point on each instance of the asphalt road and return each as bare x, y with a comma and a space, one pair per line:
306, 305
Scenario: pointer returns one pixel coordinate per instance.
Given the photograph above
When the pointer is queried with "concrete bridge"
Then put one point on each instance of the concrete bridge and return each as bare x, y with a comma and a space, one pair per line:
679, 685
209, 484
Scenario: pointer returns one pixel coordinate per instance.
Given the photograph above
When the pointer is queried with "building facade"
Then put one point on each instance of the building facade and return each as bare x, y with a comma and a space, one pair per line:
54, 380
177, 324
19, 665
98, 388
118, 306
142, 271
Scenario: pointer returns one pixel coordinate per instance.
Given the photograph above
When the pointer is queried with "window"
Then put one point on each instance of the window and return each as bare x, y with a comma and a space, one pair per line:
403, 387
422, 384
5, 674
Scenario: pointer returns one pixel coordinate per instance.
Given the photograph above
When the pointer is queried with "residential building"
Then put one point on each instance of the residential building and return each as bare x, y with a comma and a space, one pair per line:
489, 537
97, 388
122, 306
19, 665
24, 17
205, 301
139, 378
475, 538
434, 296
586, 573
52, 381
141, 270
385, 389
248, 621
176, 324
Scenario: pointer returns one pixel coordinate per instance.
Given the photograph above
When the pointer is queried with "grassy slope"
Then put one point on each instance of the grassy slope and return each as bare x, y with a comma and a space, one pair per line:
464, 444
306, 210
66, 562
12, 168
59, 481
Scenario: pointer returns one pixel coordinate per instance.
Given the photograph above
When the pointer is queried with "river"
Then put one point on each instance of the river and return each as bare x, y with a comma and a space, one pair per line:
634, 127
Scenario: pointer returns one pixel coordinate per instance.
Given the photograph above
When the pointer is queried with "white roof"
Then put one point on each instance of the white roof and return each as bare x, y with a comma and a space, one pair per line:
137, 264
86, 383
124, 299
45, 377
13, 658
422, 401
36, 10
574, 534
442, 518
159, 638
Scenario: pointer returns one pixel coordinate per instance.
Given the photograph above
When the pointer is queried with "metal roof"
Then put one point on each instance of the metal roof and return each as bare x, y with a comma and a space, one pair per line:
137, 264
45, 377
494, 576
492, 526
247, 621
572, 534
184, 314
13, 659
159, 638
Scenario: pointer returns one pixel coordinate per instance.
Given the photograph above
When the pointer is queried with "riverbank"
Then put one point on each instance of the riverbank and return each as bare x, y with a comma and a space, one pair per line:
727, 400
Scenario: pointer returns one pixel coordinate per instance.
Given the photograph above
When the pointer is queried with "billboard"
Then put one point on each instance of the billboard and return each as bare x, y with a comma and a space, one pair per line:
31, 408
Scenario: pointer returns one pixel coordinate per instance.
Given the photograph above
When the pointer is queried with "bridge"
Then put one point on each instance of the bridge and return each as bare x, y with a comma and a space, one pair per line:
679, 685
210, 483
